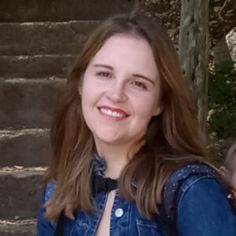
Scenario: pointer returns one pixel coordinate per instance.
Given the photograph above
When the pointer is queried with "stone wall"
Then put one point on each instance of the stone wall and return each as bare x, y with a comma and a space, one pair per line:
60, 10
222, 16
222, 23
231, 42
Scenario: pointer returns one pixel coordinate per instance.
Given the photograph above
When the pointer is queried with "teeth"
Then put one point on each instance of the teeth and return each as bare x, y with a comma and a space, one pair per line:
111, 113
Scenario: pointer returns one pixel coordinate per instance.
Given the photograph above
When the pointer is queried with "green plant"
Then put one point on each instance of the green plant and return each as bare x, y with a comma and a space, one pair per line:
222, 101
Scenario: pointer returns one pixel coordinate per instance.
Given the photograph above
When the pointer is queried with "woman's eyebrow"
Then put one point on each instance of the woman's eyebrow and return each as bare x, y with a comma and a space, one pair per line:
104, 66
135, 75
144, 77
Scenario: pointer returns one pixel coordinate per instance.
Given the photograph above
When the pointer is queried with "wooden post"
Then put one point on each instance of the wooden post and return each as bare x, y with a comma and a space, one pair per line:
194, 51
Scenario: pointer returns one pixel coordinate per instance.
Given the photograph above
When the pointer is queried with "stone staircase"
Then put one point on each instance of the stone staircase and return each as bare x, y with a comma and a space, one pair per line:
39, 41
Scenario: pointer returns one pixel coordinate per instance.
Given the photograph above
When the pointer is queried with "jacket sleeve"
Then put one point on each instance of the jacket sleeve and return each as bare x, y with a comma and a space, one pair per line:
204, 210
45, 227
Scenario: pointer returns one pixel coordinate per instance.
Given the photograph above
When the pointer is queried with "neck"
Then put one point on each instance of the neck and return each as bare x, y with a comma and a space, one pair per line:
116, 158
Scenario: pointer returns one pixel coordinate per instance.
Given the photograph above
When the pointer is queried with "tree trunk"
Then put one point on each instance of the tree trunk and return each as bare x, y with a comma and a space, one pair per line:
194, 51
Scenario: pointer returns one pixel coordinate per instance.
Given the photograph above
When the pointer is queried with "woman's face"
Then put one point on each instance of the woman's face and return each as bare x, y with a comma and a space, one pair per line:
120, 91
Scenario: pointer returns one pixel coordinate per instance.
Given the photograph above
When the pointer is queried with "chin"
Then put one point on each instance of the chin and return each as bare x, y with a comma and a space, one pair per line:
110, 140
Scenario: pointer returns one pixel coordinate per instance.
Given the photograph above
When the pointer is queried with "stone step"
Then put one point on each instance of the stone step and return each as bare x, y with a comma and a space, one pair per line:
20, 192
18, 227
60, 10
37, 66
44, 37
27, 147
28, 103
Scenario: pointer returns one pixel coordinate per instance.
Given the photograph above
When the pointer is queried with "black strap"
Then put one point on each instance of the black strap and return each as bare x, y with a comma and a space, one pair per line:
59, 231
103, 185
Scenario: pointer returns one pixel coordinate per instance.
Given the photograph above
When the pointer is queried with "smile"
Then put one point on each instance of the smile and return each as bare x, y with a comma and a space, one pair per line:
115, 113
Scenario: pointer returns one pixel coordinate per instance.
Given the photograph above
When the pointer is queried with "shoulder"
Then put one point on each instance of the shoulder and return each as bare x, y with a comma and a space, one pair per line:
191, 174
194, 177
199, 185
194, 194
182, 179
49, 190
44, 226
202, 188
204, 205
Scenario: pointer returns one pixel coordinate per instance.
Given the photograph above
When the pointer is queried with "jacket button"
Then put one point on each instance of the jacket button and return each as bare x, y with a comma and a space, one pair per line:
119, 212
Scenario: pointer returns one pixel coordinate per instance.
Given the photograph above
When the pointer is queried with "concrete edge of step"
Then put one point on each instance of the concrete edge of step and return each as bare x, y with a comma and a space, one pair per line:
22, 172
17, 222
49, 79
38, 56
18, 132
48, 23
23, 148
37, 65
18, 227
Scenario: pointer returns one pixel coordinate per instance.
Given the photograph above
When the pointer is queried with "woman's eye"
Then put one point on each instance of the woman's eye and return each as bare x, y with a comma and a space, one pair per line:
139, 85
104, 74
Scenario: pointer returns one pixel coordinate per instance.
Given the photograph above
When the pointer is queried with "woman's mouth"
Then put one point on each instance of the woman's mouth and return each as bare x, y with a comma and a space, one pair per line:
115, 113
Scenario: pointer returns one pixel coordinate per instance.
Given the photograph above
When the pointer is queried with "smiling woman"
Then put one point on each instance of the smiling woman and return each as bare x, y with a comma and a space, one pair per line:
126, 127
120, 93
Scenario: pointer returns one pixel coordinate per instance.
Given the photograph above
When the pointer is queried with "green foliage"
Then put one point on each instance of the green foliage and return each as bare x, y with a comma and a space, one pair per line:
222, 101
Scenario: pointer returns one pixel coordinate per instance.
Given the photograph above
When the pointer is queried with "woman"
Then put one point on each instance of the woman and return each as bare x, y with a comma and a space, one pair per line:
125, 125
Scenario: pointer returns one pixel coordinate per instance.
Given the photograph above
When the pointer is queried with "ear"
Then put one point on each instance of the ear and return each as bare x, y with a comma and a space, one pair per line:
222, 170
158, 110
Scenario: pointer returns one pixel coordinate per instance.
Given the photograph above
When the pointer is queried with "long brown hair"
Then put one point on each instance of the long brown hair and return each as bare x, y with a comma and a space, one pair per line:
173, 138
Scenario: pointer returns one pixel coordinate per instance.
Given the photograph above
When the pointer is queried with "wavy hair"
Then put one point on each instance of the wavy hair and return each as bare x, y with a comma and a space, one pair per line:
173, 138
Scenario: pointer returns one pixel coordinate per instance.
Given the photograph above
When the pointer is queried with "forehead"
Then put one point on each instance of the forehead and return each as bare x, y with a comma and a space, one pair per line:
127, 50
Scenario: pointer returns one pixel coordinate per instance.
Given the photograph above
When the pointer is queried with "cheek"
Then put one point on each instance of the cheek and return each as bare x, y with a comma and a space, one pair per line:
87, 91
145, 111
86, 99
148, 107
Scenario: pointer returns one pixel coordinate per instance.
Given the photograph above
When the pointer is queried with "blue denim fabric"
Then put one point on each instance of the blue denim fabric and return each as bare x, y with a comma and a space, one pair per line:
203, 210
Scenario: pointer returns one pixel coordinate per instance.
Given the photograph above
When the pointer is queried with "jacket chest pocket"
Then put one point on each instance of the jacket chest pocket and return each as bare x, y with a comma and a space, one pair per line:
148, 227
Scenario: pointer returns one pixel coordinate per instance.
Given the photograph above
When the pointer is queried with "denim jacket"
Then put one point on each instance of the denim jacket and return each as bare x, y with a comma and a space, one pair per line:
203, 210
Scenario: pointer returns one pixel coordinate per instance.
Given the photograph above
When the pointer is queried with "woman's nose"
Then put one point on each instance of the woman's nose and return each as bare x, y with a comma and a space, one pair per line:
117, 93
